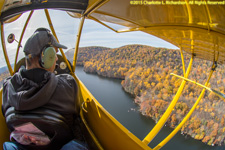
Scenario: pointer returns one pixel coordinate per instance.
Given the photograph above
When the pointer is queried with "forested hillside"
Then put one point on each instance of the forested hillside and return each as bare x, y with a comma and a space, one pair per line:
85, 54
146, 73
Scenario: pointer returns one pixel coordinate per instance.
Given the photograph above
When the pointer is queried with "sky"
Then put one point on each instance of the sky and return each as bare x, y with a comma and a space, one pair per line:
93, 33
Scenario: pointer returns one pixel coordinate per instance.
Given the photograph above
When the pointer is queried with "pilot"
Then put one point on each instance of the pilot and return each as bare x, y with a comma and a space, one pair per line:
37, 86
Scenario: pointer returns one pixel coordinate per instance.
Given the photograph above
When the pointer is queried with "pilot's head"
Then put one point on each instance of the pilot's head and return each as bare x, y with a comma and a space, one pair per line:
40, 50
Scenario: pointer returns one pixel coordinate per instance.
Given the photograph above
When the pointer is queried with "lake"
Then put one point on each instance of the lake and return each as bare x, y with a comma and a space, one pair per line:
121, 106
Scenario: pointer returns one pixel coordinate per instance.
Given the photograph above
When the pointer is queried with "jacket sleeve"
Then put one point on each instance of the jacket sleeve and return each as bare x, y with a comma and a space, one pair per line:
75, 93
76, 96
70, 94
5, 101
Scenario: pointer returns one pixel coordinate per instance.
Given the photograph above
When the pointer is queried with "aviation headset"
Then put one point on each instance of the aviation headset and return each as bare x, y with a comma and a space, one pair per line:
48, 53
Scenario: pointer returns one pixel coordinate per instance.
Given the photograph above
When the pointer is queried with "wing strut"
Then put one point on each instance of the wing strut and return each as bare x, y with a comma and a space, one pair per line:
54, 33
166, 115
78, 42
4, 49
21, 37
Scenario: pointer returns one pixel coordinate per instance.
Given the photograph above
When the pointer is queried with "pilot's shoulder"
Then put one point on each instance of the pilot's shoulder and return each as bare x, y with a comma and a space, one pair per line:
66, 78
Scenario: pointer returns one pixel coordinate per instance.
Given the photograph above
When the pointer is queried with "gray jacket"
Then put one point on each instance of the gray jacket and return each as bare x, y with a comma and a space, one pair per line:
30, 89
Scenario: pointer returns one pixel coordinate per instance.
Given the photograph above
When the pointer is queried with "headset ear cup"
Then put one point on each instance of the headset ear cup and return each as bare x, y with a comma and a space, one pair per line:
48, 57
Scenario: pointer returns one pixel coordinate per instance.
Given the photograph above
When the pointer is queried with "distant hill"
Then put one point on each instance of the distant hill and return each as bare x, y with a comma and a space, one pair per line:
3, 75
85, 53
3, 69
